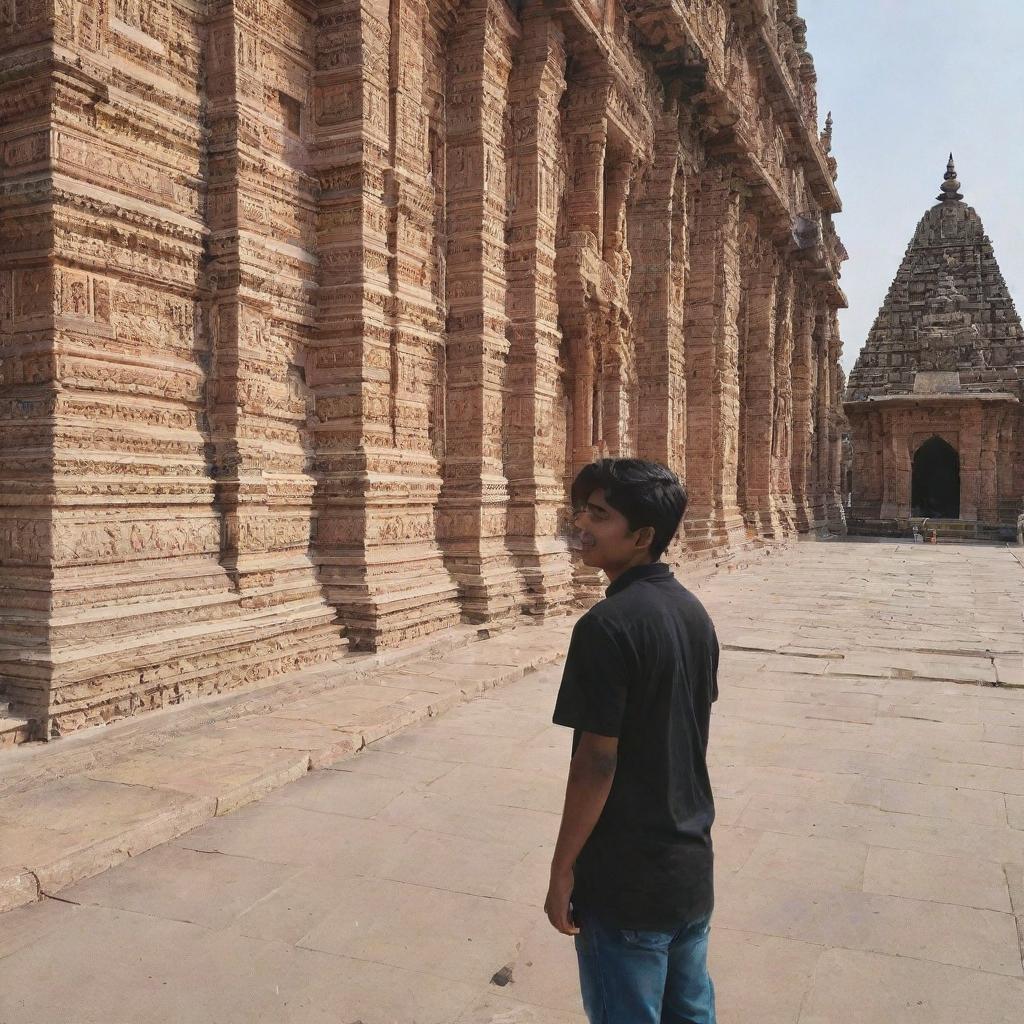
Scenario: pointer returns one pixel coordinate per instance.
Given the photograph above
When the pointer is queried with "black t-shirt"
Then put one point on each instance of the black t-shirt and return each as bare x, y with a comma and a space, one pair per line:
642, 666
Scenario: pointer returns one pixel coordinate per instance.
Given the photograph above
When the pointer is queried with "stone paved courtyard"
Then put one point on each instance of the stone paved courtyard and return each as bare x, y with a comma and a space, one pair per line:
869, 777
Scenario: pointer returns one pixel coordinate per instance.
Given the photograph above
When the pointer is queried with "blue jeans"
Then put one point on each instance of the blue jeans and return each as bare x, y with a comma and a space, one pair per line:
644, 977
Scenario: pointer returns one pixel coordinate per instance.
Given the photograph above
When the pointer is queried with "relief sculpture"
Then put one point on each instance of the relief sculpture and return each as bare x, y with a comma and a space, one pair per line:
324, 335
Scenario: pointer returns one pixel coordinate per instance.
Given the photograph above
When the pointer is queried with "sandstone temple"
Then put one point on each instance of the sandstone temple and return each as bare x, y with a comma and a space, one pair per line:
310, 309
934, 400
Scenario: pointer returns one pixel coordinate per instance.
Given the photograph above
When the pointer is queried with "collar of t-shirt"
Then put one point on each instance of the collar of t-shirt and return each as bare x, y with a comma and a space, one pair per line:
649, 571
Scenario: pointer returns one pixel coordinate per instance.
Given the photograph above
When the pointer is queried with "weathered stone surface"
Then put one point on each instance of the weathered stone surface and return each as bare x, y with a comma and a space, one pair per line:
67, 813
934, 400
420, 865
17, 887
309, 312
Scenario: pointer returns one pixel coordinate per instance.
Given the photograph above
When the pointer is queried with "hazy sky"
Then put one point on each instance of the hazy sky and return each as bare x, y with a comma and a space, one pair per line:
907, 81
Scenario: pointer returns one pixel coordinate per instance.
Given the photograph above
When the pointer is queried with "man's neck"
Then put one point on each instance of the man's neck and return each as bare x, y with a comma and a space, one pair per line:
614, 574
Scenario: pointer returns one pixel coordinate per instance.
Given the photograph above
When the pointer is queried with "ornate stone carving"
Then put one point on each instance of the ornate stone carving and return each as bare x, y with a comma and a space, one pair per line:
309, 313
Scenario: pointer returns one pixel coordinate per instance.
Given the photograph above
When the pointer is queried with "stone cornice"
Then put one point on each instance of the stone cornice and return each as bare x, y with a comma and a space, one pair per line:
803, 134
687, 49
917, 401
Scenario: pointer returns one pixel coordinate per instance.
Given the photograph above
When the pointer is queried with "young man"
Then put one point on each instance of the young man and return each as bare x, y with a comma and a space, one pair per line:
631, 876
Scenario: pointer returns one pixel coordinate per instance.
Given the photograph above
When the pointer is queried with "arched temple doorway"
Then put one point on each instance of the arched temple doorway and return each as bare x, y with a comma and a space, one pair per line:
935, 485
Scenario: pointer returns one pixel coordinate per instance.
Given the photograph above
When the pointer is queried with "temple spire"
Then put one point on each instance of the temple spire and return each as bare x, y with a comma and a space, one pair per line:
950, 186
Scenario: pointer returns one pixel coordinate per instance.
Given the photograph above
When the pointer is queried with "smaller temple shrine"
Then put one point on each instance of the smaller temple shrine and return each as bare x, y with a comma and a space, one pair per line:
934, 401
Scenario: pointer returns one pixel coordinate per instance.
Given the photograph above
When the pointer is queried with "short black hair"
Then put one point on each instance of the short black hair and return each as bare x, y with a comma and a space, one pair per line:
646, 493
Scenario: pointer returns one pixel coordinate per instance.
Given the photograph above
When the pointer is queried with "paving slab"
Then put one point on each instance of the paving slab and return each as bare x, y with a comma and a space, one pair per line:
817, 862
282, 834
501, 1009
869, 838
363, 796
176, 884
144, 968
449, 934
855, 987
391, 765
952, 803
963, 936
479, 867
231, 785
77, 807
1015, 811
760, 978
937, 878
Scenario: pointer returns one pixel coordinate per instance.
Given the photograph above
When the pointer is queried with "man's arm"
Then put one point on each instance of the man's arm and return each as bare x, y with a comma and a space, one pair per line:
590, 781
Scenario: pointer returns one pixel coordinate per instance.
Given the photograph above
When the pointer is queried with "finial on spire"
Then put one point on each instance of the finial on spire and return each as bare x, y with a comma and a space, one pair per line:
826, 135
950, 186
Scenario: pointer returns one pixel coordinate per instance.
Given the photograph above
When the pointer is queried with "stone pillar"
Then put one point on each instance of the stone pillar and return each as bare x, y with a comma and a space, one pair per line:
536, 402
866, 428
29, 390
758, 384
783, 510
473, 508
893, 454
261, 317
583, 319
1015, 473
829, 440
819, 418
988, 472
903, 462
657, 243
712, 384
657, 240
680, 269
376, 367
614, 336
803, 439
240, 314
579, 259
837, 515
1007, 502
970, 448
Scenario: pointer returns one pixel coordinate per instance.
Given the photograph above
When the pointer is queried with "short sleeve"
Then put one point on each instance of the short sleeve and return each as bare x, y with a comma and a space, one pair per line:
595, 681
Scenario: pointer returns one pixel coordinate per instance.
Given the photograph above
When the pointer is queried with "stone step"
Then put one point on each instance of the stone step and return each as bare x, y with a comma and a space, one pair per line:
114, 794
956, 531
13, 728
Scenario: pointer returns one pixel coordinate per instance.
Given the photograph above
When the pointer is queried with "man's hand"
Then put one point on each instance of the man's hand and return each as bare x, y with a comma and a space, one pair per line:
556, 906
591, 772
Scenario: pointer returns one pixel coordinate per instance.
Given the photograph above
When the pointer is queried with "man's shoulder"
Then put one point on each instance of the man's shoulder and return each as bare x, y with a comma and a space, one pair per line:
691, 602
638, 605
612, 614
597, 619
606, 625
636, 600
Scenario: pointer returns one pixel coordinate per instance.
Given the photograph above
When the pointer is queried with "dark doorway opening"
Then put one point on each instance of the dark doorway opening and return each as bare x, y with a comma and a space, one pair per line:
935, 486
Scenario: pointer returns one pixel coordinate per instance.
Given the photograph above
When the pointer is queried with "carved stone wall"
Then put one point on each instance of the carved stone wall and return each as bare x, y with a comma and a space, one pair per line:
311, 309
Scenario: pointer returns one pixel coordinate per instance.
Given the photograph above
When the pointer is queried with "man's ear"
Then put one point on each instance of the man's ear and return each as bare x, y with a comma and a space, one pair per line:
645, 536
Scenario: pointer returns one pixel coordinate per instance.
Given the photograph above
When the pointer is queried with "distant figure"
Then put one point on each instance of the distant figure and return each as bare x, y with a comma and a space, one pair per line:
631, 876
